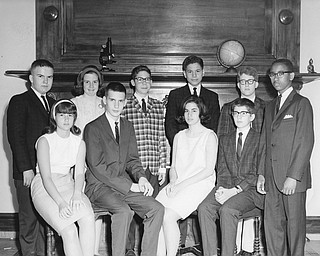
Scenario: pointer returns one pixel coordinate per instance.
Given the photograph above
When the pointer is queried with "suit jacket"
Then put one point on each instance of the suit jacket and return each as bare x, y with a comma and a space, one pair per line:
230, 171
286, 142
177, 97
111, 164
149, 130
26, 120
226, 123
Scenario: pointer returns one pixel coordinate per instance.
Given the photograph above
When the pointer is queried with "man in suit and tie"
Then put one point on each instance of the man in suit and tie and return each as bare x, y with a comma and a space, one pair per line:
247, 82
28, 115
193, 71
235, 193
115, 177
284, 171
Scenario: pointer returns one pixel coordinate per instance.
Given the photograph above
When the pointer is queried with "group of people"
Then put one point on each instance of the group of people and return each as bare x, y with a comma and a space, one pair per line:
104, 149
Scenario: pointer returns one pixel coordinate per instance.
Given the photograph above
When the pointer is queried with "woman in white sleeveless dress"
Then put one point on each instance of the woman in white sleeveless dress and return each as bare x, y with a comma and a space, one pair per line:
57, 192
89, 107
192, 174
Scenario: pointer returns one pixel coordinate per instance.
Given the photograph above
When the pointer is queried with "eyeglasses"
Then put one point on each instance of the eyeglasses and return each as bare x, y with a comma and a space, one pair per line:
240, 113
249, 81
143, 79
278, 74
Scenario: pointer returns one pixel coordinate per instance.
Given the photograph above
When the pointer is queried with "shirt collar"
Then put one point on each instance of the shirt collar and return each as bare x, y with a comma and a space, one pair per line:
191, 88
139, 98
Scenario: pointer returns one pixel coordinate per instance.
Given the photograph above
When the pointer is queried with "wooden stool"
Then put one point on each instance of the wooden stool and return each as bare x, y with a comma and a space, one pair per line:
257, 215
196, 248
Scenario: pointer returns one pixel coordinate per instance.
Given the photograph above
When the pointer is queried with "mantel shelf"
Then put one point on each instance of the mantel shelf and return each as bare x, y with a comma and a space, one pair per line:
70, 77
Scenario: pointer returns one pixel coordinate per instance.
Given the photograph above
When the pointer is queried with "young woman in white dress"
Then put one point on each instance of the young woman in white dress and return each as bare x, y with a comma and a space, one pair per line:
192, 174
56, 190
89, 107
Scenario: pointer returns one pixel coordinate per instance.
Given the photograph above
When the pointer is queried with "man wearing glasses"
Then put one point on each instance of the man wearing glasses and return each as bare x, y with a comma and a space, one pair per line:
286, 145
247, 82
147, 117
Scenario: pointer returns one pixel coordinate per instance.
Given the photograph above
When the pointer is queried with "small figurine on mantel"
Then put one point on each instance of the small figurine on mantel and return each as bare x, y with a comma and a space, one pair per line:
310, 67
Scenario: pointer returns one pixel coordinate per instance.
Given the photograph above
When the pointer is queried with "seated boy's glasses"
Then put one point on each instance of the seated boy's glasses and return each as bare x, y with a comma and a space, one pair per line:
249, 81
143, 79
240, 113
278, 74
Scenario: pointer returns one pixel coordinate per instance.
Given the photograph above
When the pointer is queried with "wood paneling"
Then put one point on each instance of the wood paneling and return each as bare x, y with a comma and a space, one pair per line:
162, 33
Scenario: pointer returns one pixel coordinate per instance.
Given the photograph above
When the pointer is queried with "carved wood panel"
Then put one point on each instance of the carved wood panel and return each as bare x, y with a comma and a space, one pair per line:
162, 33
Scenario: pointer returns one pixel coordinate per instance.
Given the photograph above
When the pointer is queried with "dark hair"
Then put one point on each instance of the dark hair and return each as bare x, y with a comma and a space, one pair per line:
285, 62
244, 102
203, 110
138, 69
250, 71
41, 63
190, 60
113, 86
62, 106
90, 69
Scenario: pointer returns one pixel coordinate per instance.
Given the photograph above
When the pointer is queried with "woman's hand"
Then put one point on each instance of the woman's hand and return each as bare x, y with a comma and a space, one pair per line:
65, 210
76, 201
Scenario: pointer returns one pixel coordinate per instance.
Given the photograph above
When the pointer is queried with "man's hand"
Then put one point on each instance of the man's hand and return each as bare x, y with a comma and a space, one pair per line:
260, 184
28, 177
145, 187
161, 178
223, 194
289, 186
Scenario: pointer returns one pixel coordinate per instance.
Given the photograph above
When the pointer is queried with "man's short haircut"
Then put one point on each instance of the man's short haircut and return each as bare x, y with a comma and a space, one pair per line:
244, 102
138, 69
249, 71
285, 62
41, 63
114, 86
190, 60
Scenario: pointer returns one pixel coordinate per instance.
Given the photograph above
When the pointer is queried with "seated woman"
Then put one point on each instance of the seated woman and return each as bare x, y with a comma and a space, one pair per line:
56, 195
191, 175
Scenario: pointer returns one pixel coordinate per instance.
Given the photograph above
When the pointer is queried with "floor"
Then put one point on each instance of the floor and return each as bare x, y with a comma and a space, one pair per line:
8, 247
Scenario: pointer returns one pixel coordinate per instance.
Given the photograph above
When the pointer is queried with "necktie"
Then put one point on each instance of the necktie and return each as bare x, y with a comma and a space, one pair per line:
278, 100
45, 103
239, 145
117, 131
144, 106
195, 91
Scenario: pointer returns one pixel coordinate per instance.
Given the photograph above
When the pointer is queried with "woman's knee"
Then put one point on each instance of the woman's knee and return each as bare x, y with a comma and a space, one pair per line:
69, 232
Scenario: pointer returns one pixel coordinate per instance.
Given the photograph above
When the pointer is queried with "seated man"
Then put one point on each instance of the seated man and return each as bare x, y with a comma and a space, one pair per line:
235, 192
116, 180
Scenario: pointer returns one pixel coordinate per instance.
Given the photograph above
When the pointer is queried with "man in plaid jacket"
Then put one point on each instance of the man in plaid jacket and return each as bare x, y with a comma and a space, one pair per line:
147, 116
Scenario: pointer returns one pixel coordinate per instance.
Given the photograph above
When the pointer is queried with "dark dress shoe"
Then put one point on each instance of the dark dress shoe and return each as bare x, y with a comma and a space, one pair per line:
130, 253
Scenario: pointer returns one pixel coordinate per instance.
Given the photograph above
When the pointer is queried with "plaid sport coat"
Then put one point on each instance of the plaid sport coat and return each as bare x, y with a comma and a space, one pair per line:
149, 130
230, 171
226, 124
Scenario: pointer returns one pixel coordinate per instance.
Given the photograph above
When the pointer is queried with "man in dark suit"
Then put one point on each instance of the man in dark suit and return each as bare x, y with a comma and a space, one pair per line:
235, 193
28, 115
284, 171
193, 71
115, 177
247, 82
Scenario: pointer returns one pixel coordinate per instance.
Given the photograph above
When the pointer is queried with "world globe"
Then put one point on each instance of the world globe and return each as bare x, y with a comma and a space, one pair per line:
231, 54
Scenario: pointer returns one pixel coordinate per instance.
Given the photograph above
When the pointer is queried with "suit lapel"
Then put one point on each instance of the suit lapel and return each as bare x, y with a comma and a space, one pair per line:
34, 98
278, 118
106, 128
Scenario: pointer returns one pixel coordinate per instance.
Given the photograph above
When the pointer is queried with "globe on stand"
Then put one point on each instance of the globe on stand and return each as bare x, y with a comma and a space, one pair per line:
231, 54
